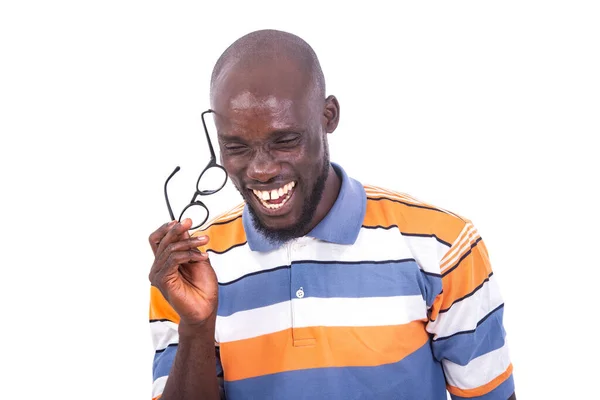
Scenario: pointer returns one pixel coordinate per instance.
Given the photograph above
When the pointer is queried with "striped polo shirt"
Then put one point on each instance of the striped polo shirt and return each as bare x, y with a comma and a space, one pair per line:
386, 298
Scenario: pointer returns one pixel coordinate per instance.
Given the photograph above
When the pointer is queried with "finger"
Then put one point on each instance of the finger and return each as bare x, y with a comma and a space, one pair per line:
187, 244
158, 234
173, 234
175, 259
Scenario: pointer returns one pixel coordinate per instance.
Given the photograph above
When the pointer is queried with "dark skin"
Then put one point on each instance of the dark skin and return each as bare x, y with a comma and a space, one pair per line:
270, 133
273, 134
272, 124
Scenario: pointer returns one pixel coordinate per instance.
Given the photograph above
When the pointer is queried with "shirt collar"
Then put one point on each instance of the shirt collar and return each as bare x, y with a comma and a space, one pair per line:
341, 225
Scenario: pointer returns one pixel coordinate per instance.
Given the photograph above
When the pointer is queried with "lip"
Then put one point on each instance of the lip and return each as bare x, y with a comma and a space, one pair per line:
269, 211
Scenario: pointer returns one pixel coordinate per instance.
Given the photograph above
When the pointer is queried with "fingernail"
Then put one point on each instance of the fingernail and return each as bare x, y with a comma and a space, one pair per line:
199, 238
170, 224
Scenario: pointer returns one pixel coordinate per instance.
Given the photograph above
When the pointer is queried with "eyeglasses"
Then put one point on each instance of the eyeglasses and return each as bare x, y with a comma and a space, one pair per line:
211, 180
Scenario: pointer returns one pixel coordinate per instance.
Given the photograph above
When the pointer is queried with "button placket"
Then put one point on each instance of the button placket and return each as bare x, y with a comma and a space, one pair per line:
302, 336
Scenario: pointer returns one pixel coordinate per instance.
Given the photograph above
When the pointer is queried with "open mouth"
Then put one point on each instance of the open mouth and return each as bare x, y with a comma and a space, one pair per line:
276, 198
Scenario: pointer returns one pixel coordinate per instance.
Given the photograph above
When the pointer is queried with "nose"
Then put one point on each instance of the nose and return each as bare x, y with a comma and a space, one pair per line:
263, 167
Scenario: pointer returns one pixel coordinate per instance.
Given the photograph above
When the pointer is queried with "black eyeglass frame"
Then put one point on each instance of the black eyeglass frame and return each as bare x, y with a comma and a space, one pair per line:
211, 164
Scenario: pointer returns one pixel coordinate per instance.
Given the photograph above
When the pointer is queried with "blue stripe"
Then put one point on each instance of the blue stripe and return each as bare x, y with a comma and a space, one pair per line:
327, 280
397, 278
462, 348
502, 392
254, 291
416, 377
163, 362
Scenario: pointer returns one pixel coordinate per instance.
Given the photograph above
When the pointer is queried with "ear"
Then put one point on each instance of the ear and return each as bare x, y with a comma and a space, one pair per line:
331, 114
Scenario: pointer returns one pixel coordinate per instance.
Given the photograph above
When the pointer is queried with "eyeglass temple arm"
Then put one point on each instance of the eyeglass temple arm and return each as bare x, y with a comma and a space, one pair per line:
167, 197
213, 158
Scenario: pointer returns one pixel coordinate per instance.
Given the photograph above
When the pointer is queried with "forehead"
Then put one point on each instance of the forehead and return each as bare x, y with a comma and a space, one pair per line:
265, 99
247, 111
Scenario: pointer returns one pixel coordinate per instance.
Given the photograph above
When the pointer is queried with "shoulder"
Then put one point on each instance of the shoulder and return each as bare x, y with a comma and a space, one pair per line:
387, 208
225, 231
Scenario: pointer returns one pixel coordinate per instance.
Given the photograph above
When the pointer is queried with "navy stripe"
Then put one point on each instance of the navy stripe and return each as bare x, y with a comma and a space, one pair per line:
502, 392
170, 345
400, 278
262, 271
463, 347
406, 203
227, 249
427, 235
432, 274
221, 223
254, 291
367, 262
399, 380
467, 295
462, 258
162, 320
472, 330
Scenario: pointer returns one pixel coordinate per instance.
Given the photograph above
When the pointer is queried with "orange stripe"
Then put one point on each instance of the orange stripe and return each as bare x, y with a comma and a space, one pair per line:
227, 215
160, 308
470, 273
374, 191
413, 219
223, 236
331, 347
481, 390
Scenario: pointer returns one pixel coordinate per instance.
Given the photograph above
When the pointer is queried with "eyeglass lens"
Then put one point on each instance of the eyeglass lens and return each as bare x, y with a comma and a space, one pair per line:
212, 179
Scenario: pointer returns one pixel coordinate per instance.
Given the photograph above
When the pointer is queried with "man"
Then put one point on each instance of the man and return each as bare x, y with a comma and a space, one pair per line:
317, 287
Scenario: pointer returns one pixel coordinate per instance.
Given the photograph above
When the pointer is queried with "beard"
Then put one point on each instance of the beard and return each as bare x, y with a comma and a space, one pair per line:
309, 208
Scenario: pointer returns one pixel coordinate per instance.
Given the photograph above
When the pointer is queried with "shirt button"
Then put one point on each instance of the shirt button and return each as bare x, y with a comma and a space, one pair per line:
300, 293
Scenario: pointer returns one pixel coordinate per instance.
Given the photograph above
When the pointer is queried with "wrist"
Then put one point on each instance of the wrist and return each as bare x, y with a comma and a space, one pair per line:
198, 330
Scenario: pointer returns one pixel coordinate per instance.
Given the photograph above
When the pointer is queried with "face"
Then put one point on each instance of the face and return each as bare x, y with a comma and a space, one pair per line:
272, 137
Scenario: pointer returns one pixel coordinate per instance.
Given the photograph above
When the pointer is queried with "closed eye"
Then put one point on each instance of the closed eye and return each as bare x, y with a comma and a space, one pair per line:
235, 148
287, 141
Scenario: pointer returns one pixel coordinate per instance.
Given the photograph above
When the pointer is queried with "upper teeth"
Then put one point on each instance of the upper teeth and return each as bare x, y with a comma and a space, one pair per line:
275, 193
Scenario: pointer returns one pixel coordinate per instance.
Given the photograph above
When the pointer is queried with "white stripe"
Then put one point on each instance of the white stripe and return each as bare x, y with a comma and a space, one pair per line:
479, 371
241, 261
365, 311
371, 245
427, 251
255, 322
312, 311
464, 315
163, 334
159, 386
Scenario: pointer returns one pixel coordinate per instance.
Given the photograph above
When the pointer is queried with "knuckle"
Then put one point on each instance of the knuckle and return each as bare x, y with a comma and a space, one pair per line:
170, 259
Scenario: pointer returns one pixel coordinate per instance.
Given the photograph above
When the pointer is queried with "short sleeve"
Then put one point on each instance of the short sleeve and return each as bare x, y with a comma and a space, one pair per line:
465, 322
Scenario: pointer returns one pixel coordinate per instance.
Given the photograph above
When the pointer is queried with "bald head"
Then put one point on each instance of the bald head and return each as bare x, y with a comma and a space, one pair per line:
269, 55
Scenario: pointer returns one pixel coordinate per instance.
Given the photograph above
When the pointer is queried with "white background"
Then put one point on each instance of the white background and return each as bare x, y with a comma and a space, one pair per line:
488, 109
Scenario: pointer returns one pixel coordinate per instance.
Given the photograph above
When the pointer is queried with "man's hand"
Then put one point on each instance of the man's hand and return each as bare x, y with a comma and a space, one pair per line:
183, 274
